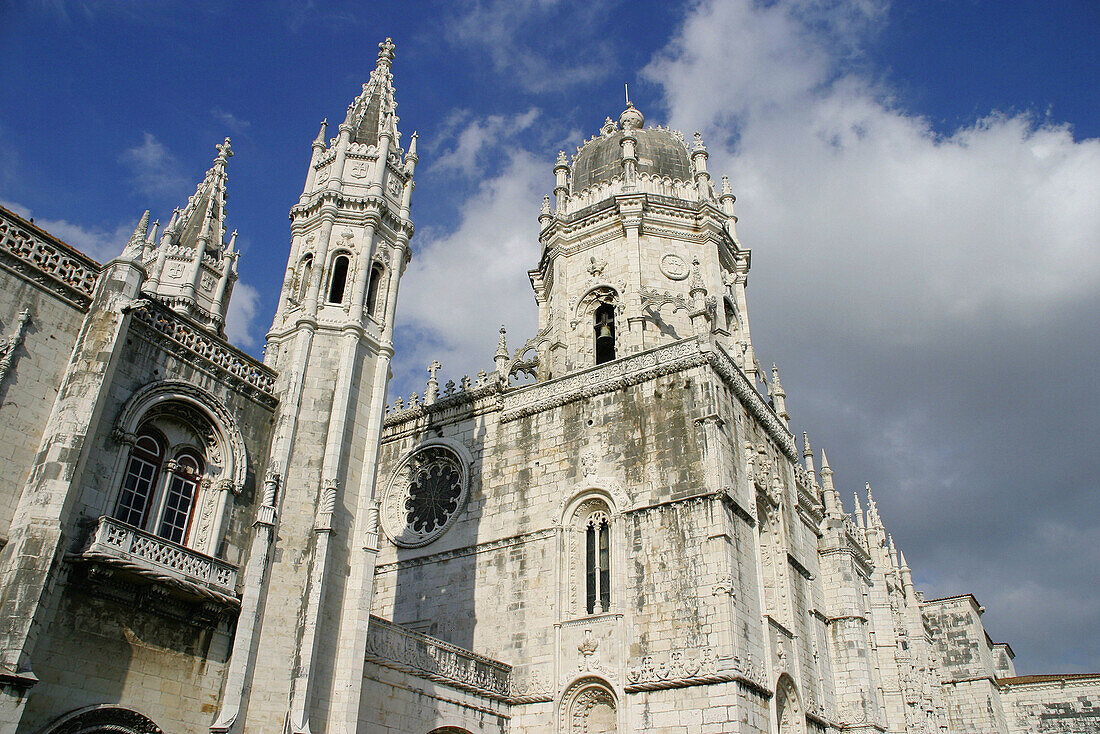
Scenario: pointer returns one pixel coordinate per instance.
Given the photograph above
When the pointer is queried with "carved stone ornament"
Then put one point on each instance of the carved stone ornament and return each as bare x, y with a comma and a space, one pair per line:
105, 718
674, 267
425, 496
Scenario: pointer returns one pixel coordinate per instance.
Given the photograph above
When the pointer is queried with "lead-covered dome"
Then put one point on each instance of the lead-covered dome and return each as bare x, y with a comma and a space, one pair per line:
660, 152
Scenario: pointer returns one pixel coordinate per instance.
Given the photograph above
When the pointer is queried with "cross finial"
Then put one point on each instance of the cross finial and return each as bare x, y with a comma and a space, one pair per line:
385, 51
224, 151
434, 367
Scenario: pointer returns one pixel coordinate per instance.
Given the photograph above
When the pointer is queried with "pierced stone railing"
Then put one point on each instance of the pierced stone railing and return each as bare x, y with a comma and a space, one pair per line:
411, 652
117, 544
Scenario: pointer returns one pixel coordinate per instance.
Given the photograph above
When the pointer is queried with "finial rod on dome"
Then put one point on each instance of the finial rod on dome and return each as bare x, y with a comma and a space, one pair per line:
627, 88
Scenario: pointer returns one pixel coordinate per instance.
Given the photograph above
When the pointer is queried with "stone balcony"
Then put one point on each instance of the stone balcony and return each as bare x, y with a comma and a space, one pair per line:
116, 548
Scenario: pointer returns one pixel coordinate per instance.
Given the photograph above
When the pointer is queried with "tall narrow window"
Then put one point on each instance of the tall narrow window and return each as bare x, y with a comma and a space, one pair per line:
305, 272
605, 333
139, 481
179, 497
597, 564
373, 288
339, 278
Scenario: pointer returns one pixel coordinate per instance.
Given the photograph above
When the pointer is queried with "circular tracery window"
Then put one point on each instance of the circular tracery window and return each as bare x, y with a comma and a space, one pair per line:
424, 497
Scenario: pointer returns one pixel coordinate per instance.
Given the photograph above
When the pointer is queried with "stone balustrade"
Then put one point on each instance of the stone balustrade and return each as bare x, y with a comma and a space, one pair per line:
117, 544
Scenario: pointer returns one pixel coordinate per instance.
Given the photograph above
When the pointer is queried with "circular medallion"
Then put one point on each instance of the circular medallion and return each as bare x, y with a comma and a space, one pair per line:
674, 266
425, 496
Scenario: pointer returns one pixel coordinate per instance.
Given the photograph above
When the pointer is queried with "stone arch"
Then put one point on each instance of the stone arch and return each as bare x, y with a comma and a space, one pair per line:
449, 730
597, 295
789, 717
589, 706
102, 719
226, 432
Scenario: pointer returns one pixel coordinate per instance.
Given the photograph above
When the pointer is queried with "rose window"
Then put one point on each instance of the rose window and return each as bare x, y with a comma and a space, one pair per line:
425, 496
433, 496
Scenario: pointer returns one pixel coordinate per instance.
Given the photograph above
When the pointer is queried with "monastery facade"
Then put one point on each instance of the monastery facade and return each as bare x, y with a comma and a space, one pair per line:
610, 529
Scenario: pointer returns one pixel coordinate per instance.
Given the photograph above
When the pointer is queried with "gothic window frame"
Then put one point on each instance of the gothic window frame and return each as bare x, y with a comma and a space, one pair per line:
429, 459
221, 453
144, 465
334, 277
102, 719
603, 317
376, 300
584, 312
302, 275
590, 583
790, 718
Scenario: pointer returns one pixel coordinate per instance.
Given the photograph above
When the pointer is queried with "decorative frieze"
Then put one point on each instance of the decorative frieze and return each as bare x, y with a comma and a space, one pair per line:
692, 667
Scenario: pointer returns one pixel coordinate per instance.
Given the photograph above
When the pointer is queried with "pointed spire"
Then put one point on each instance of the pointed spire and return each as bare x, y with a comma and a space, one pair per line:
367, 114
412, 146
153, 233
319, 141
901, 559
779, 397
873, 518
232, 246
501, 357
808, 458
136, 244
859, 512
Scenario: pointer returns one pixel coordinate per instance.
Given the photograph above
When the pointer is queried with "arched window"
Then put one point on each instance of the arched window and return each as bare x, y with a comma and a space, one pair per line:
589, 705
339, 278
302, 278
604, 325
140, 479
181, 487
165, 471
732, 322
373, 288
597, 556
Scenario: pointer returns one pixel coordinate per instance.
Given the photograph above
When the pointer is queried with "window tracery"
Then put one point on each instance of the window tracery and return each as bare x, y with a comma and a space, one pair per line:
590, 549
374, 289
425, 496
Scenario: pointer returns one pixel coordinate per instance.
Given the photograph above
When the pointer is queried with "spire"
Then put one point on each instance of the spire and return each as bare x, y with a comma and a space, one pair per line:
859, 512
367, 114
136, 245
501, 357
204, 214
808, 458
873, 518
779, 397
321, 134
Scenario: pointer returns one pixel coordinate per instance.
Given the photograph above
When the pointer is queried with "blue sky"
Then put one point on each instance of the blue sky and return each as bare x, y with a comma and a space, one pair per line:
918, 183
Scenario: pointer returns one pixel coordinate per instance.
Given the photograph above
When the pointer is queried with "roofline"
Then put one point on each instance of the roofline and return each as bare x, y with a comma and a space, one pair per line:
52, 237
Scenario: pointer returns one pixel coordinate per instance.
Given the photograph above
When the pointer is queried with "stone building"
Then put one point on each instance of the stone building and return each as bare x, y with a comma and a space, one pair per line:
611, 529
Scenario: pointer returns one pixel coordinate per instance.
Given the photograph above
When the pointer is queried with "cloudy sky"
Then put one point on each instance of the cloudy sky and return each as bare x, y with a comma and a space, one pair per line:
918, 183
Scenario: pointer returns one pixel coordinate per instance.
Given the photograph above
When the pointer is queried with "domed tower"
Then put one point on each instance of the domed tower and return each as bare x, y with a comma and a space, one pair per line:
639, 250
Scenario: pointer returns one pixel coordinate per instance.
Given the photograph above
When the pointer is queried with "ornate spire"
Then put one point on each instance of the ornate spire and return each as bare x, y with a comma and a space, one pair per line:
873, 518
501, 357
367, 114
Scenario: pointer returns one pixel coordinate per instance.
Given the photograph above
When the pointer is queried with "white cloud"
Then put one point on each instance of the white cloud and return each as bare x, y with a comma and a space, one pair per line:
231, 121
155, 171
461, 286
471, 136
244, 305
919, 232
99, 243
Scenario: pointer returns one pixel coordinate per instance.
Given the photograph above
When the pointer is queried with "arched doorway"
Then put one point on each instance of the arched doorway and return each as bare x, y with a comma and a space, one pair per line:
589, 707
102, 719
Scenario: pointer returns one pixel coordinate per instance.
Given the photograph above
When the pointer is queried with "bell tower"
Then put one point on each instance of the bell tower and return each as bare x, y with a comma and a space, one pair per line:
638, 249
302, 635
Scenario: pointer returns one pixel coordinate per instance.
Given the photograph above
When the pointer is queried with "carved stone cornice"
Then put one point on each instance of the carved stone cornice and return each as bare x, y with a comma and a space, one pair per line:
47, 261
197, 346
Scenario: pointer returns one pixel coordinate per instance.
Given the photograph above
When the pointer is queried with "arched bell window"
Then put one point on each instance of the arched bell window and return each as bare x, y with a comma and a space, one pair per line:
604, 325
374, 287
338, 280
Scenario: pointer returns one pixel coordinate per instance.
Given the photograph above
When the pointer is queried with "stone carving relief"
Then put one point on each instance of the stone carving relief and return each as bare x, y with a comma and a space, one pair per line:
674, 267
10, 343
425, 496
588, 707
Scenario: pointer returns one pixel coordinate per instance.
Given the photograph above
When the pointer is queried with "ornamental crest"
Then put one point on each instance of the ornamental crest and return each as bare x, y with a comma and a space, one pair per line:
425, 496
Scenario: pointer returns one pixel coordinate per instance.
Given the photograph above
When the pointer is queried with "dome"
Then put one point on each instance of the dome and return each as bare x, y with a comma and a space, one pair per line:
660, 152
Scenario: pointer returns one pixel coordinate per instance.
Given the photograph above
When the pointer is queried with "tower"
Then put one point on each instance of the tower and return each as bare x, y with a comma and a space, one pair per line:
639, 250
303, 627
193, 268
